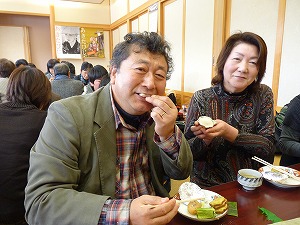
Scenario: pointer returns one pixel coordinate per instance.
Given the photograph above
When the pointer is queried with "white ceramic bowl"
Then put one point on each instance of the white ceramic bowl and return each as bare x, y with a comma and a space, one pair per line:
249, 178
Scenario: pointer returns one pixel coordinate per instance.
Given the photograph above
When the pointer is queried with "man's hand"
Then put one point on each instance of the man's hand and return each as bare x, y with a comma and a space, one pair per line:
141, 213
164, 113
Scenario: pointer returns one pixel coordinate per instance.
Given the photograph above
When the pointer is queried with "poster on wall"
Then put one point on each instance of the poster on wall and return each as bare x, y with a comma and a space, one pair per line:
92, 42
67, 42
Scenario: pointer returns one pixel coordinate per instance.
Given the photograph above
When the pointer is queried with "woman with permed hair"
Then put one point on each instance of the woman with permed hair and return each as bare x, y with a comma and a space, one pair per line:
242, 110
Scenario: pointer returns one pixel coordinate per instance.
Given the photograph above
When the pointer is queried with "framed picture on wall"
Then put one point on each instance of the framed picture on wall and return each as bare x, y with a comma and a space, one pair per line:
67, 42
92, 42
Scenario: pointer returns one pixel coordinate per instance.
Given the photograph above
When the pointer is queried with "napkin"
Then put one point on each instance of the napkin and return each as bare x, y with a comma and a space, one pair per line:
232, 209
270, 216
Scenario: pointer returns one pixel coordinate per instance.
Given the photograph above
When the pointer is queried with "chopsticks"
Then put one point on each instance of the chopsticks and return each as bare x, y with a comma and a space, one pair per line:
177, 201
275, 168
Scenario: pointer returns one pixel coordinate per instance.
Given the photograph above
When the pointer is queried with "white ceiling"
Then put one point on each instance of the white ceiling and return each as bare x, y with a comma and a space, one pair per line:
87, 1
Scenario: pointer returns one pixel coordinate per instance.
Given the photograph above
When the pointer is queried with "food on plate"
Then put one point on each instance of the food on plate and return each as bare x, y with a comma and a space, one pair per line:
206, 213
206, 121
280, 179
219, 204
275, 176
288, 170
221, 209
193, 206
189, 190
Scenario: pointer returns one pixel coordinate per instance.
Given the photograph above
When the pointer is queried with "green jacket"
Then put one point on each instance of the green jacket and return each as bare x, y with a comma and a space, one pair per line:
73, 163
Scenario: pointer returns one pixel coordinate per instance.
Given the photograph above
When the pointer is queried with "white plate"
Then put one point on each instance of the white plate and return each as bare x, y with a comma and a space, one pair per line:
280, 180
209, 196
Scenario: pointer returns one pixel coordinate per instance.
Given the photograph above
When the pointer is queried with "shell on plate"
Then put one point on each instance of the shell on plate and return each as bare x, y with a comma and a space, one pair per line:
189, 190
206, 121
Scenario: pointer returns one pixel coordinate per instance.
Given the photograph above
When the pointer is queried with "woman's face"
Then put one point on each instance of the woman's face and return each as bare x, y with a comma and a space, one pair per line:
240, 68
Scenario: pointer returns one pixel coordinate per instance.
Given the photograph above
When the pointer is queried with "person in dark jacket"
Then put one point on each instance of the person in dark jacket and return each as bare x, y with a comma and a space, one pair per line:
6, 68
21, 62
63, 85
50, 65
21, 120
84, 71
289, 140
98, 77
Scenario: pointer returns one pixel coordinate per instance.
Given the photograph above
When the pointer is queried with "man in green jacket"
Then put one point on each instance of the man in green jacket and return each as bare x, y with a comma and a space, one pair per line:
104, 158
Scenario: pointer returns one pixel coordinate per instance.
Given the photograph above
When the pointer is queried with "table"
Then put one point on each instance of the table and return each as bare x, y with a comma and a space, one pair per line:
284, 202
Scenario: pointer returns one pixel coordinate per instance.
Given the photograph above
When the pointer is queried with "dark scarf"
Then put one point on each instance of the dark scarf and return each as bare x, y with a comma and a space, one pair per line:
132, 120
84, 81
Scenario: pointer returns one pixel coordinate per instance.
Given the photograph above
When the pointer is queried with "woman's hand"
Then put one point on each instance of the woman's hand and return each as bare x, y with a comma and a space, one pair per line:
220, 129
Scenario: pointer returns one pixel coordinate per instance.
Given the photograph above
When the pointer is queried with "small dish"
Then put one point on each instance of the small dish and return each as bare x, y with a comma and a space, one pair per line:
279, 179
249, 179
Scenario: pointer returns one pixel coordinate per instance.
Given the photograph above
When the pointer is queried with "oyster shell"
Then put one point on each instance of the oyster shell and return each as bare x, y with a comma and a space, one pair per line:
206, 121
188, 190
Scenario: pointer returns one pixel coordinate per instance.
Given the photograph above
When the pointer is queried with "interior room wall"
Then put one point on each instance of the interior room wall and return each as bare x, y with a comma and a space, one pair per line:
118, 9
256, 19
80, 12
12, 36
26, 6
192, 41
173, 34
133, 4
198, 44
67, 13
289, 82
39, 36
93, 60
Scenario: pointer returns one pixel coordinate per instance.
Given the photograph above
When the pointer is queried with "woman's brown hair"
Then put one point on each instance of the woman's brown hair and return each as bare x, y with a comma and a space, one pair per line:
234, 40
30, 86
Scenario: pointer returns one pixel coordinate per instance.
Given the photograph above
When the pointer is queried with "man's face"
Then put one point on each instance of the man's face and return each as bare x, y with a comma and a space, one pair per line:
141, 74
70, 37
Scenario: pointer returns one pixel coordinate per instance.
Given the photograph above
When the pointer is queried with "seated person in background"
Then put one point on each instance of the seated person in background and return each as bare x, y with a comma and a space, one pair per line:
21, 62
96, 75
84, 71
63, 85
172, 95
21, 119
289, 141
242, 108
32, 65
110, 152
105, 80
71, 67
50, 65
6, 68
